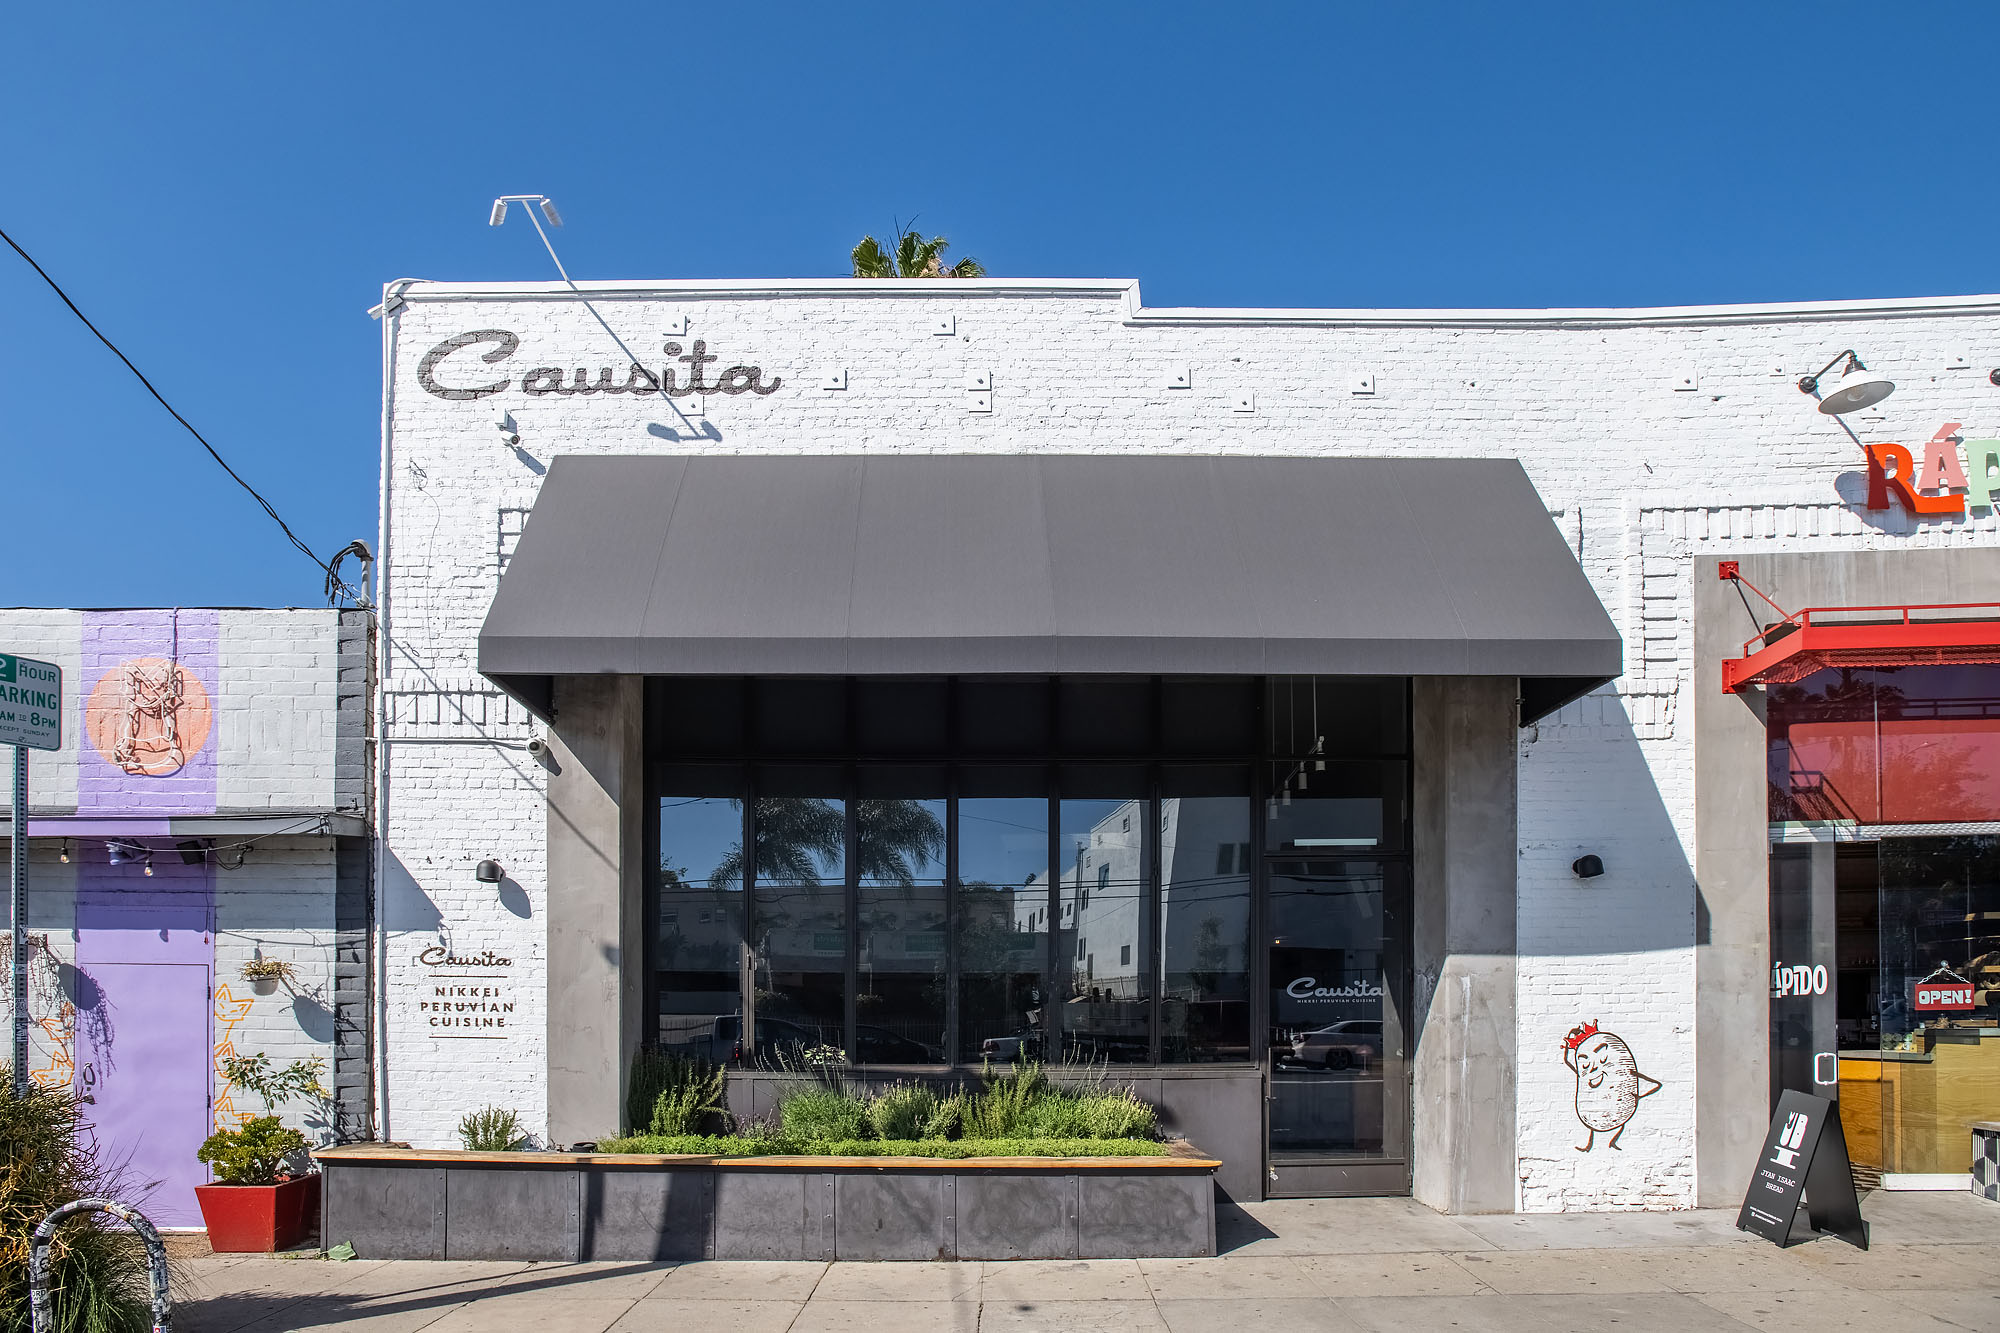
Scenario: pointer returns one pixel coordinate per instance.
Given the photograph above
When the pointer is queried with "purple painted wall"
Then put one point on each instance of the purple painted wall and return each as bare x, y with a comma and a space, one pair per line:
111, 642
144, 958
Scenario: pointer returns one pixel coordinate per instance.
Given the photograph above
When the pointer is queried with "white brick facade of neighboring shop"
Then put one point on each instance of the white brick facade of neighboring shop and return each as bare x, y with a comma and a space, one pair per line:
1653, 436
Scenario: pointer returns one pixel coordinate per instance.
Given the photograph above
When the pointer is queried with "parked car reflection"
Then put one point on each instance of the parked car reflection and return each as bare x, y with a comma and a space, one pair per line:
1354, 1044
784, 1042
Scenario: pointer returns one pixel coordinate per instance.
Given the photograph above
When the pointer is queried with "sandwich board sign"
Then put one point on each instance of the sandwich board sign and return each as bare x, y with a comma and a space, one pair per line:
30, 703
1804, 1161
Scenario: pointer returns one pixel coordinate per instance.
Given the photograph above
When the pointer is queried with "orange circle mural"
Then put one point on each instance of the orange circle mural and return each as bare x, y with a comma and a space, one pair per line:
148, 716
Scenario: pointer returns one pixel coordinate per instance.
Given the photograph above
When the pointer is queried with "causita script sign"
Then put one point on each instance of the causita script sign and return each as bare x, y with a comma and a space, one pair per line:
687, 370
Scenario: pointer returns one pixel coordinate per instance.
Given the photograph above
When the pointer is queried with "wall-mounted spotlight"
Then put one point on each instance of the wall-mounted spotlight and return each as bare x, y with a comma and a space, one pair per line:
534, 201
193, 851
489, 872
118, 853
510, 432
1587, 867
541, 201
1993, 378
1857, 387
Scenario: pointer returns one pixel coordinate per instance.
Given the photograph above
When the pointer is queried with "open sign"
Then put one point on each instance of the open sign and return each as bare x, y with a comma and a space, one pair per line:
1943, 996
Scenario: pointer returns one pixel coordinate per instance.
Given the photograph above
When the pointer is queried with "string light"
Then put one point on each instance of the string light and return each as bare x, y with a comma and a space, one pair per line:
63, 856
149, 865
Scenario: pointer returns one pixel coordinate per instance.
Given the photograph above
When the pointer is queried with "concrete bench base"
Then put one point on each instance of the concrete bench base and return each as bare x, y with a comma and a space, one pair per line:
400, 1204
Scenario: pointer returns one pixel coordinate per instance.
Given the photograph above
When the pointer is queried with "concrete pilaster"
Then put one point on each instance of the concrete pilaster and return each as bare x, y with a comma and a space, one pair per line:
595, 898
1463, 936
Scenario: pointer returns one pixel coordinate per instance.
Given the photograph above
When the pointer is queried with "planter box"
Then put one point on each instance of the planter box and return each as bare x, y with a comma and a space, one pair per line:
259, 1219
570, 1207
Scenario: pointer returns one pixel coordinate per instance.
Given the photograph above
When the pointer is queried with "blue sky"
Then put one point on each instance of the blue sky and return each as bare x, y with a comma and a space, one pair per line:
224, 188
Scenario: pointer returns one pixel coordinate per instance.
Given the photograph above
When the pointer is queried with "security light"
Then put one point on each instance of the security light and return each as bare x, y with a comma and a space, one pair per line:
534, 201
1587, 867
489, 872
1857, 387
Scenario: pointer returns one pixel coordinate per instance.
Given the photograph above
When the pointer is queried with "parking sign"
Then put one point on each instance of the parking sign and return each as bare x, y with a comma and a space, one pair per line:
30, 703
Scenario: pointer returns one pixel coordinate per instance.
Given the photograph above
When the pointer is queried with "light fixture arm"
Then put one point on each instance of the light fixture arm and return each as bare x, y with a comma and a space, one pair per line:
1810, 383
535, 203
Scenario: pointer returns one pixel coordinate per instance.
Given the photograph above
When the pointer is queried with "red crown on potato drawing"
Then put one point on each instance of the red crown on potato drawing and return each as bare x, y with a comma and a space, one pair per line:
1579, 1035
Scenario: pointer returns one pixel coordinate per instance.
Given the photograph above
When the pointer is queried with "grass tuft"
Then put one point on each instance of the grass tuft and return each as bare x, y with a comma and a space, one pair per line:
98, 1274
732, 1145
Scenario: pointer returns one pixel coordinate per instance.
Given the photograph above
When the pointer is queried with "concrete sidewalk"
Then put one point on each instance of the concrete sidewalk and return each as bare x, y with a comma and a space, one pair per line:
1334, 1265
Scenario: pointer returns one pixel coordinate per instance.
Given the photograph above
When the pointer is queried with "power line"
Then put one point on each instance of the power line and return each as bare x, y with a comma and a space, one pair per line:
54, 287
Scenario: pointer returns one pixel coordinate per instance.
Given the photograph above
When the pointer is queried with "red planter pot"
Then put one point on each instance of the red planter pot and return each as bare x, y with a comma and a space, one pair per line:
259, 1219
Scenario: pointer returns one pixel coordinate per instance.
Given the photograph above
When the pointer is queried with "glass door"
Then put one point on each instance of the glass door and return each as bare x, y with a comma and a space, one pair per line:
1339, 982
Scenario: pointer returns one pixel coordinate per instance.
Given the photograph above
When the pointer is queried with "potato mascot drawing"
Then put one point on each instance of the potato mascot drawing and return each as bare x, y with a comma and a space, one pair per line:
1608, 1082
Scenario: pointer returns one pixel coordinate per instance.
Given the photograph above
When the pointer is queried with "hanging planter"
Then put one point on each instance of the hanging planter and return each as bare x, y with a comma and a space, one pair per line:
266, 974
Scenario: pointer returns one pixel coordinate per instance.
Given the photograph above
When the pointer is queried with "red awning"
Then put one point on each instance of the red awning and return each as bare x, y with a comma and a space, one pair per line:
1866, 636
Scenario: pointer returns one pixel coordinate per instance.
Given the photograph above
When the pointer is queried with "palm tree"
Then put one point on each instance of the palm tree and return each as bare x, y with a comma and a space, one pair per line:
914, 257
899, 839
796, 836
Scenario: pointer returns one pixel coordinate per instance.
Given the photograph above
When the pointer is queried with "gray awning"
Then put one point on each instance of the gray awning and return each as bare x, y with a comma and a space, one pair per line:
969, 565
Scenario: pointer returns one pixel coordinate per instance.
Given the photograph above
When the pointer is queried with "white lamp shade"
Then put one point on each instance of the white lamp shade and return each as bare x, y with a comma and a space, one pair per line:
1855, 390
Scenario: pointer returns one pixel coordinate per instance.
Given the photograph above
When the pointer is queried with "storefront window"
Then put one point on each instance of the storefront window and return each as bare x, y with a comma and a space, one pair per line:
1102, 906
1320, 808
1205, 928
1886, 745
1940, 999
1352, 716
1885, 991
699, 931
900, 997
1003, 926
801, 927
919, 893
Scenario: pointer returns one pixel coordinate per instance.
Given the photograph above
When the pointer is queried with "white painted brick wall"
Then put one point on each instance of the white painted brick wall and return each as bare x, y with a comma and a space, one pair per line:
274, 718
1643, 481
279, 903
278, 737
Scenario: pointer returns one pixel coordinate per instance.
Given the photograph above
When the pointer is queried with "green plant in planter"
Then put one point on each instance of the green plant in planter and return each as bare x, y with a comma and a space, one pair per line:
903, 1111
823, 1115
300, 1078
252, 1155
1001, 1108
673, 1094
491, 1129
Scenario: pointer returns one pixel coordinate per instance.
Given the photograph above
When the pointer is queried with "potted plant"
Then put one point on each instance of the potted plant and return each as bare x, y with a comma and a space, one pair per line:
265, 1196
264, 974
